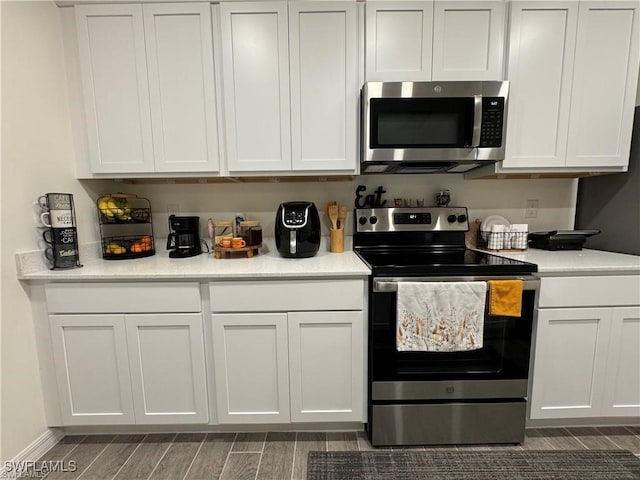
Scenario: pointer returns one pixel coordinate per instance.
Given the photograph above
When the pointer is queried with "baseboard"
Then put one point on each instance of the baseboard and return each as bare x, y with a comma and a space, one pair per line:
36, 449
271, 427
583, 422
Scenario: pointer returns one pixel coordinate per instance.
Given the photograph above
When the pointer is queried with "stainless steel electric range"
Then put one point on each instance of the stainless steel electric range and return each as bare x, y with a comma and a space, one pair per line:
439, 398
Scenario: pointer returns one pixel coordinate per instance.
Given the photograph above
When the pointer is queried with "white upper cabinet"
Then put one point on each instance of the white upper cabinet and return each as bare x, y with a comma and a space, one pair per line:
423, 40
398, 43
541, 53
148, 87
115, 88
573, 71
182, 87
290, 86
324, 86
255, 58
604, 84
468, 40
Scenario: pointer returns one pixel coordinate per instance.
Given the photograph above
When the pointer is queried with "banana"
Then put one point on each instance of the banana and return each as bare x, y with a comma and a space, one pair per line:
103, 206
116, 249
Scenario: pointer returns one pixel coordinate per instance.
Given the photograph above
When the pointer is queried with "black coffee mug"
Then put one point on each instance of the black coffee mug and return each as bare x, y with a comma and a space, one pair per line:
60, 236
62, 256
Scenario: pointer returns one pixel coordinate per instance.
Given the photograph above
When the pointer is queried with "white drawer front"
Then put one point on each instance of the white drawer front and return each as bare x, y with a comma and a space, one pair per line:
597, 291
170, 297
287, 295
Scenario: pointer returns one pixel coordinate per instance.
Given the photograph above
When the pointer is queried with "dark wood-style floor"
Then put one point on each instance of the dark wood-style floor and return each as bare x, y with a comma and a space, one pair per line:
273, 455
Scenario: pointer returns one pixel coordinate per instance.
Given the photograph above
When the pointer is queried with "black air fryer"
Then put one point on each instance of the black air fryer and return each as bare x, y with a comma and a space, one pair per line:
297, 229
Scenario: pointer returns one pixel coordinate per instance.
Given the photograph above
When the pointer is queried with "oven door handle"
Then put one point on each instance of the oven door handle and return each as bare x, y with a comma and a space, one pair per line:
391, 285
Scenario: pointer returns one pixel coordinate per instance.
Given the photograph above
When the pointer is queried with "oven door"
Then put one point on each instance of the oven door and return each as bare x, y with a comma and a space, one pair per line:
497, 370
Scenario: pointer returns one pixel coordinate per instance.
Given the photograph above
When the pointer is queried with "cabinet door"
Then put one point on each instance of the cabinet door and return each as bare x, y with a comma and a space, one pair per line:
569, 364
115, 89
622, 376
166, 357
90, 354
326, 363
251, 367
256, 85
182, 87
468, 40
398, 41
324, 89
604, 84
541, 52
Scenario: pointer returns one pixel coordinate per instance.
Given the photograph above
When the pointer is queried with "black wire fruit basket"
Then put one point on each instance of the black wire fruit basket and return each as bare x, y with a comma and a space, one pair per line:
126, 226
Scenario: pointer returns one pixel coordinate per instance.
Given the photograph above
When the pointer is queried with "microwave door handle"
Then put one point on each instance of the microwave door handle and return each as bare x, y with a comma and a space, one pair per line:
477, 120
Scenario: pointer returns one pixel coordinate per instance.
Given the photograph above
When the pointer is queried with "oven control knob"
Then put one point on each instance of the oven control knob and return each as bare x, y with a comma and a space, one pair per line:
462, 218
362, 220
373, 219
451, 218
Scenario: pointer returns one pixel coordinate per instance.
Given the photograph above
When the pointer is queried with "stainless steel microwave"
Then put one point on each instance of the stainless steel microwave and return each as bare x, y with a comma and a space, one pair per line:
432, 127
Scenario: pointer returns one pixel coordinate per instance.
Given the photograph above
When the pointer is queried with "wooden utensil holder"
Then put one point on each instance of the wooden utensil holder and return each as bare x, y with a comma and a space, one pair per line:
336, 240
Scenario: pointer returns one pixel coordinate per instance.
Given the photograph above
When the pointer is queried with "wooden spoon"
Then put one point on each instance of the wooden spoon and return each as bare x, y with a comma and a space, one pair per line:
342, 217
332, 211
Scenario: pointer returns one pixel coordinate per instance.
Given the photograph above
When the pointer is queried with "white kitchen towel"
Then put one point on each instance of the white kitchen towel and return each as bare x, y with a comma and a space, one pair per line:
440, 316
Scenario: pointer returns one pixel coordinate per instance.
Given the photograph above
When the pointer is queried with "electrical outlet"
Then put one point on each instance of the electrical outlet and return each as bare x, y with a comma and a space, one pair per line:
531, 210
173, 209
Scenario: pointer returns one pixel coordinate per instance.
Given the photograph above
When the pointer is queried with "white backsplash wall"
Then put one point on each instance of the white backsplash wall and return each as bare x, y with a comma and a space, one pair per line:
221, 201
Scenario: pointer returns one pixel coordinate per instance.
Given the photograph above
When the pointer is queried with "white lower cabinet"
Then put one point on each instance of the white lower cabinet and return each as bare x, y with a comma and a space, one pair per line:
284, 357
621, 395
251, 367
166, 360
587, 360
92, 371
288, 367
325, 366
128, 368
124, 369
570, 362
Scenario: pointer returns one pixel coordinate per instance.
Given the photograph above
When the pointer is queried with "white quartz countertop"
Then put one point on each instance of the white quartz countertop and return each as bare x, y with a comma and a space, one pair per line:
267, 264
578, 262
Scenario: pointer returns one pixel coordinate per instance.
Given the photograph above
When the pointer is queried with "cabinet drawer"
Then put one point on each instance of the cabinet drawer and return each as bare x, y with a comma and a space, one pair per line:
287, 295
590, 291
170, 297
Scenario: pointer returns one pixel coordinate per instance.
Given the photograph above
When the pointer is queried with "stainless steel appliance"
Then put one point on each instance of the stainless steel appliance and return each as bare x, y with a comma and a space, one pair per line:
297, 229
426, 397
432, 127
184, 240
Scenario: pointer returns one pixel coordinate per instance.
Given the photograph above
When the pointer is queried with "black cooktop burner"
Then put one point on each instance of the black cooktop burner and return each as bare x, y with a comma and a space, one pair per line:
414, 262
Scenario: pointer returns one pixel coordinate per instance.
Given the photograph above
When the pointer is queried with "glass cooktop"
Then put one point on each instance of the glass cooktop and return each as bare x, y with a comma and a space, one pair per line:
414, 262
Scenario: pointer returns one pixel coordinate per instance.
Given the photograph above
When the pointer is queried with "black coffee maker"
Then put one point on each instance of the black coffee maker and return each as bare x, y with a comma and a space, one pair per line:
184, 239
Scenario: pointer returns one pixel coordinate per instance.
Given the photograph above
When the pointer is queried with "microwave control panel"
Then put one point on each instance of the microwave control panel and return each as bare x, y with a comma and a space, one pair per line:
492, 121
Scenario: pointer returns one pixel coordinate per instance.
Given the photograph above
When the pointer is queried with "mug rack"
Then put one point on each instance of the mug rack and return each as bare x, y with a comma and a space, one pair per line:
60, 233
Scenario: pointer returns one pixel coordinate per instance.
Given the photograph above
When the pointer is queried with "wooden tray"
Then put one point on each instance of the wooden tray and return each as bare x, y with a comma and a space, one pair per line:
218, 251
